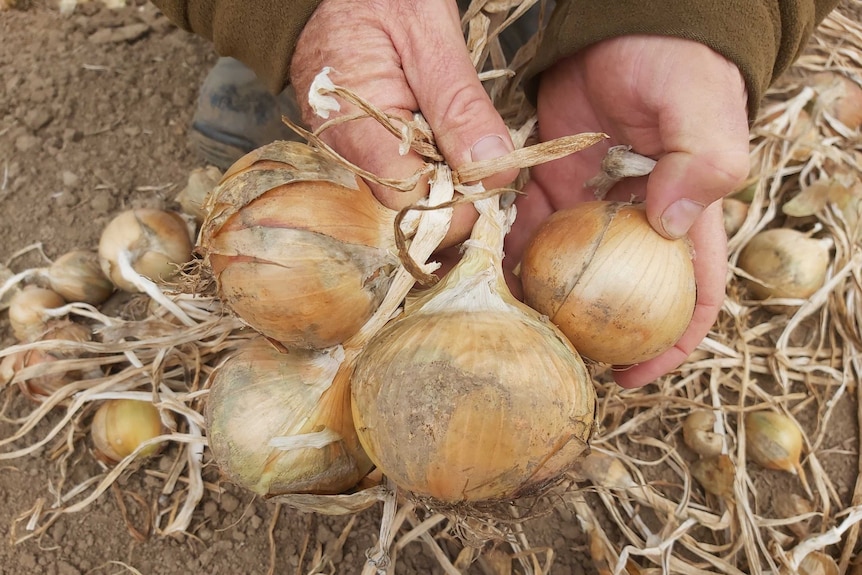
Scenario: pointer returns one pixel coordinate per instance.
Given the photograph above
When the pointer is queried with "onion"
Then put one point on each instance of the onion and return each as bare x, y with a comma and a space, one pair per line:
300, 249
143, 242
619, 291
281, 422
28, 311
471, 395
818, 563
698, 433
120, 426
840, 96
785, 263
773, 441
44, 385
78, 276
715, 474
734, 213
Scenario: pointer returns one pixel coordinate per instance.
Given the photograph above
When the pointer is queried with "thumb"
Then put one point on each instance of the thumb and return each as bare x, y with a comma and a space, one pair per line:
703, 122
684, 183
444, 81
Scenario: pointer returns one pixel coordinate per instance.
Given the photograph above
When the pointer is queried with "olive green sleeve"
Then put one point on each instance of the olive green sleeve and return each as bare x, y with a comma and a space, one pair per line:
262, 34
762, 37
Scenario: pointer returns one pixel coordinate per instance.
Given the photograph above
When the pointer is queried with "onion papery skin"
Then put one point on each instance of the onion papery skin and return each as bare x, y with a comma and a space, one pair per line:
622, 293
259, 394
303, 257
472, 406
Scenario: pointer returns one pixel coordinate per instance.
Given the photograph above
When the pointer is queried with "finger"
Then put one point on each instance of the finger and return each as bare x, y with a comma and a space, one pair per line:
704, 128
436, 63
710, 270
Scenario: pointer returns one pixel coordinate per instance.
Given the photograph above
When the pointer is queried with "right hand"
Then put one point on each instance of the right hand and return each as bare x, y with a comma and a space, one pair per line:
402, 57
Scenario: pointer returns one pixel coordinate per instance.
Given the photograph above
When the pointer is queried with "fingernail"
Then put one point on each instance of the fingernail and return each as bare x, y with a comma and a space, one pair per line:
679, 216
488, 148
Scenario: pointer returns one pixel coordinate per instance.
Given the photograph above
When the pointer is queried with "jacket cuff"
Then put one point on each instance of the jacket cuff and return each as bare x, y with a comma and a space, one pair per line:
760, 37
262, 34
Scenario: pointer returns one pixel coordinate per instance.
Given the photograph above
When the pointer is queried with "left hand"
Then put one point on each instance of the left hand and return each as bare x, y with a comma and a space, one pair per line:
676, 101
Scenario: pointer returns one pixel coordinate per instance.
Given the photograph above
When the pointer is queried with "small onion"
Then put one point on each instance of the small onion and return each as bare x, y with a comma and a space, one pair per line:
773, 441
281, 423
120, 426
78, 276
44, 385
471, 395
153, 242
818, 563
698, 433
201, 182
300, 249
840, 96
28, 311
734, 213
715, 474
620, 292
785, 263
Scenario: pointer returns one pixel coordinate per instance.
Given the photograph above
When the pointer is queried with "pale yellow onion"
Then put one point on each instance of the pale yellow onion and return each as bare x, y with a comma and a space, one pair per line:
699, 435
299, 247
620, 292
818, 563
299, 400
28, 311
773, 440
78, 277
785, 263
154, 243
734, 212
192, 198
471, 395
120, 426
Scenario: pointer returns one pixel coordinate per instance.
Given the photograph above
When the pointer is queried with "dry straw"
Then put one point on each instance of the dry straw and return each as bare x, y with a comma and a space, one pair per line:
636, 498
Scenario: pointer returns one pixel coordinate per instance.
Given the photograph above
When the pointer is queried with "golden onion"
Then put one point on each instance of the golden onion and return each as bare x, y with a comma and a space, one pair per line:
471, 395
120, 426
620, 292
774, 441
299, 247
281, 423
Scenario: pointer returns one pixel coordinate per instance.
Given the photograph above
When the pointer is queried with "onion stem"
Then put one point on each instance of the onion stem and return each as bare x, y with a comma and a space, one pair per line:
150, 288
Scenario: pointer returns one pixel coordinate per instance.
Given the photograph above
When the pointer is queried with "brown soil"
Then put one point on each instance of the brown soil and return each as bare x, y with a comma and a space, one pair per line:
94, 112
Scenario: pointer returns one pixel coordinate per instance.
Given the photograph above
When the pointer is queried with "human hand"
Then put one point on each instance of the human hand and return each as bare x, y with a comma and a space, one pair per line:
402, 57
671, 99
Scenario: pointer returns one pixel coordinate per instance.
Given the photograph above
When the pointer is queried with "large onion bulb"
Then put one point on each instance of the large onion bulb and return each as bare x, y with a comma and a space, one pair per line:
471, 395
281, 423
299, 247
620, 292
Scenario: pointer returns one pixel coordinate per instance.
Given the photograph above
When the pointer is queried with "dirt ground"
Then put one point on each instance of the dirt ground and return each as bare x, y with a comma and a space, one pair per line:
94, 111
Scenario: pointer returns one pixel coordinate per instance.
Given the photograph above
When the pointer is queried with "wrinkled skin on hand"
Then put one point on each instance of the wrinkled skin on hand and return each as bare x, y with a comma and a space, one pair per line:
674, 100
402, 56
